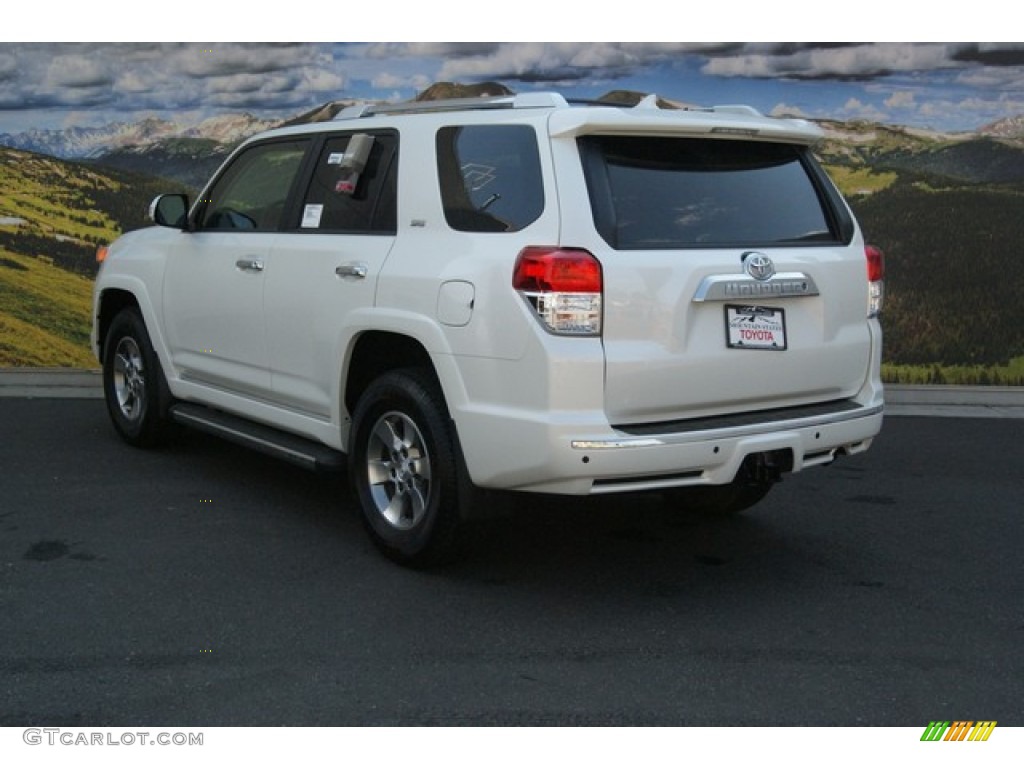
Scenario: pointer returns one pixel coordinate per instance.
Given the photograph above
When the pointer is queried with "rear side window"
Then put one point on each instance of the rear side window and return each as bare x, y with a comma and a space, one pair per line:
490, 177
342, 200
658, 192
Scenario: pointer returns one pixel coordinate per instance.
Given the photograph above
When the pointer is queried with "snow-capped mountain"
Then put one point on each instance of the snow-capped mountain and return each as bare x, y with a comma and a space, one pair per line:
81, 143
1007, 128
228, 129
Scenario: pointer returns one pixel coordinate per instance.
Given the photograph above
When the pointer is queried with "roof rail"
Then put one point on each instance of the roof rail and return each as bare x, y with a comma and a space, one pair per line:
517, 101
737, 109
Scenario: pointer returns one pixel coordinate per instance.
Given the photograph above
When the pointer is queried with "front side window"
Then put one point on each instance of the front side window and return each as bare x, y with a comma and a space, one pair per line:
252, 193
657, 192
490, 177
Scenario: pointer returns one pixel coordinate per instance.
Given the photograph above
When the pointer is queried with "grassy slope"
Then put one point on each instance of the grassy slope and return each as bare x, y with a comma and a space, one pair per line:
45, 309
47, 260
44, 314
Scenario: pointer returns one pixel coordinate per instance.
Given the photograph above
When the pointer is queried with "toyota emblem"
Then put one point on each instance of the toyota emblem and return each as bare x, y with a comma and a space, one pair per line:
758, 266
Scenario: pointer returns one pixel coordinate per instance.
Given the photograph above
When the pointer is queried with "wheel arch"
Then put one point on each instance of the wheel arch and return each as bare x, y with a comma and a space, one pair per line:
119, 292
111, 302
373, 353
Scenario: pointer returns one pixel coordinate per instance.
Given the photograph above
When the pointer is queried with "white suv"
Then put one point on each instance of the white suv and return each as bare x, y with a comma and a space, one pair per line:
509, 293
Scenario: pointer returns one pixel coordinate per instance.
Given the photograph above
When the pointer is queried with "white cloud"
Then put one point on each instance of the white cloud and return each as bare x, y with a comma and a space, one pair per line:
567, 61
858, 110
77, 71
427, 50
8, 66
910, 80
507, 59
772, 59
785, 110
901, 100
967, 113
217, 59
994, 78
322, 80
808, 61
387, 80
554, 62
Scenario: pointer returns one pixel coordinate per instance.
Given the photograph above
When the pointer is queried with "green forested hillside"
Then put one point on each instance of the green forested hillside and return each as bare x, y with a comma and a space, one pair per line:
949, 215
979, 161
62, 210
189, 161
953, 292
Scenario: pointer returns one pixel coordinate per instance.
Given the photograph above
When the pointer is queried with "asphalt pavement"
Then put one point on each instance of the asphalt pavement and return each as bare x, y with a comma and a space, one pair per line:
201, 584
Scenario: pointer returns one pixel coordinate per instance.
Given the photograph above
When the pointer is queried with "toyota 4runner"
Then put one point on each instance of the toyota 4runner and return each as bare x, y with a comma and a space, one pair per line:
509, 293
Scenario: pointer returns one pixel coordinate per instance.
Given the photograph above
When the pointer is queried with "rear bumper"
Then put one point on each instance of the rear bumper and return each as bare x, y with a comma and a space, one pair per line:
569, 458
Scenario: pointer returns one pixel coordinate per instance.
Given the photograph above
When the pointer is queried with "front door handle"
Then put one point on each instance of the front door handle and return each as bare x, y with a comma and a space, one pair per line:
355, 269
249, 265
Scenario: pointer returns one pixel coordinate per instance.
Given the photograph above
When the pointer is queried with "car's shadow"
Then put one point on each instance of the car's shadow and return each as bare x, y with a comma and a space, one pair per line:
629, 545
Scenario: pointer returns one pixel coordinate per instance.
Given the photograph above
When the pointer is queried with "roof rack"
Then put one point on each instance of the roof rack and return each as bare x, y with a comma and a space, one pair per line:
539, 99
518, 101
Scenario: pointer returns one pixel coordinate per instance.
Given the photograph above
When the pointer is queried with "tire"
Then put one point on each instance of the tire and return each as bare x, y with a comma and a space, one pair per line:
134, 386
718, 500
403, 466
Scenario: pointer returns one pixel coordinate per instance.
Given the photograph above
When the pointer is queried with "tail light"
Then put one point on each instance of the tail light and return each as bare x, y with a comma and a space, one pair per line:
876, 279
563, 286
101, 254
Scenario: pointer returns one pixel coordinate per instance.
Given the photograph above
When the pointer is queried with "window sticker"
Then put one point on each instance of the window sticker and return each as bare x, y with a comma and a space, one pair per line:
347, 184
335, 158
311, 215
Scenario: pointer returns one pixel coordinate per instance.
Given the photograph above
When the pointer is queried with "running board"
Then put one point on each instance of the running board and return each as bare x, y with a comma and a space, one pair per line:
273, 442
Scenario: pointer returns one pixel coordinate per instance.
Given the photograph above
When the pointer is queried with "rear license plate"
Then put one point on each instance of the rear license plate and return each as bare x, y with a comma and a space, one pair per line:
750, 327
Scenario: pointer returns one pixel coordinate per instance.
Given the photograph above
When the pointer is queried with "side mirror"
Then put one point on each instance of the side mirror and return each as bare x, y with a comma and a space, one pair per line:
169, 211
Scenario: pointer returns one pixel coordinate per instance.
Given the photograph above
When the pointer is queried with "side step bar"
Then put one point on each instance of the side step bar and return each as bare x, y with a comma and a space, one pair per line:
273, 442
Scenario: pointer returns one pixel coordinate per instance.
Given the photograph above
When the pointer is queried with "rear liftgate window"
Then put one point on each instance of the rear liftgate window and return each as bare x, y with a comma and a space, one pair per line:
649, 192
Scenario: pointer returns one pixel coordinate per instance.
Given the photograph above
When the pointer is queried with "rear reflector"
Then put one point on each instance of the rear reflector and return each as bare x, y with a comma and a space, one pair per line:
563, 286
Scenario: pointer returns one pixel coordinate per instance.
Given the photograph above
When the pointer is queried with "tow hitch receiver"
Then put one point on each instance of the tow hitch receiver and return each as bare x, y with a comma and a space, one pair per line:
765, 467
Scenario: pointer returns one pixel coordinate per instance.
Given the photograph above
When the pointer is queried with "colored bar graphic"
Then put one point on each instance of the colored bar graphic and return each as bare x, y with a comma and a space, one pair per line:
958, 730
982, 730
935, 730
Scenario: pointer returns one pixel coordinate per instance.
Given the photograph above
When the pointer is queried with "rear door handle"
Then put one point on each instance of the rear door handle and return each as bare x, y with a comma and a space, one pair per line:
355, 269
249, 265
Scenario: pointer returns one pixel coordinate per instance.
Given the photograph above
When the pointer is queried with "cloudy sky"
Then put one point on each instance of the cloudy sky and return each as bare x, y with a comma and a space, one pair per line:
945, 86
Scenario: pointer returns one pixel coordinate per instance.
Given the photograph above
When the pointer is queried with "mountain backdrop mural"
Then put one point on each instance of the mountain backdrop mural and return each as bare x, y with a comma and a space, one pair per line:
946, 207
